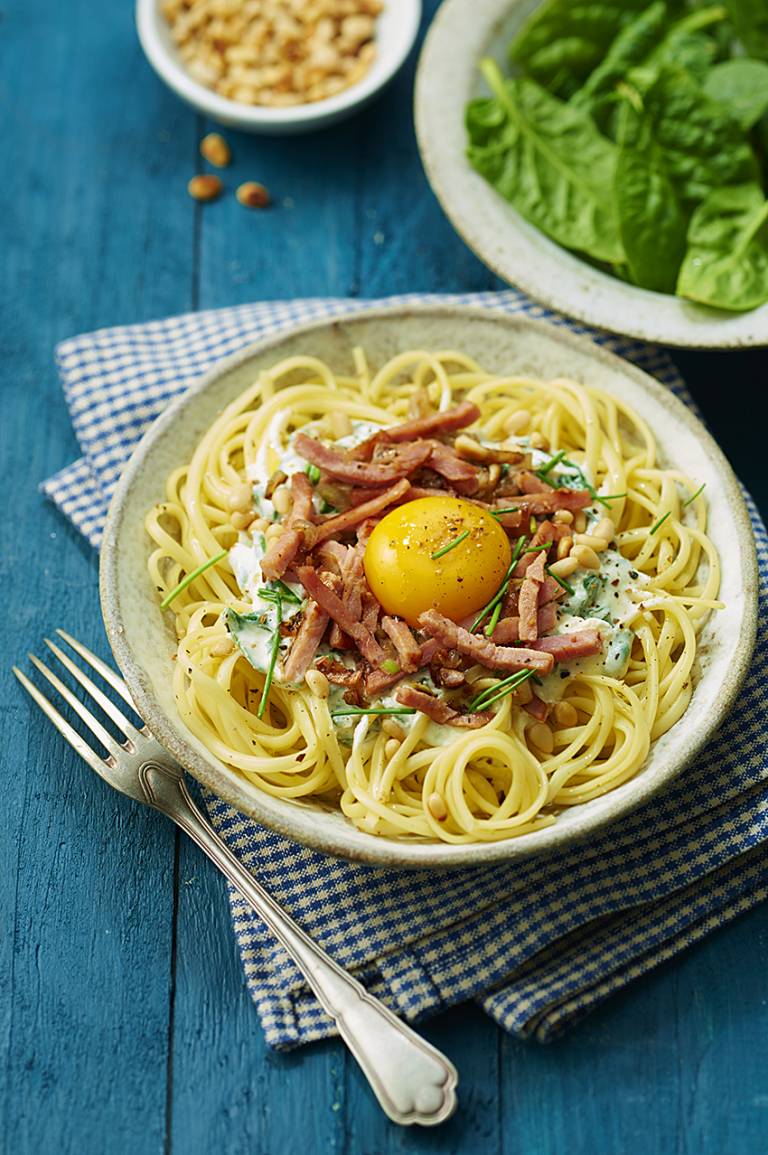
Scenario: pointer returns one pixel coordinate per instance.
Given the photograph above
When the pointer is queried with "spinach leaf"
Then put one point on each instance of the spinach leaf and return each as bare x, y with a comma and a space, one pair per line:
741, 86
562, 41
652, 223
750, 19
702, 145
632, 46
726, 265
549, 161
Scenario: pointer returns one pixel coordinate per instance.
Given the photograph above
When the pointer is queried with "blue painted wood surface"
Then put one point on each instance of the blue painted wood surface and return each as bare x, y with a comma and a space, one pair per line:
124, 1020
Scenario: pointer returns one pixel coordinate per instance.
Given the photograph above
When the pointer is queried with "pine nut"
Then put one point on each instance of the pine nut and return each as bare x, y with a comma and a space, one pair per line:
563, 517
517, 422
317, 682
580, 522
240, 520
586, 557
564, 567
605, 529
241, 497
393, 729
223, 648
591, 540
391, 747
539, 441
253, 195
540, 735
205, 187
437, 808
565, 714
340, 424
564, 547
272, 531
215, 149
281, 499
259, 524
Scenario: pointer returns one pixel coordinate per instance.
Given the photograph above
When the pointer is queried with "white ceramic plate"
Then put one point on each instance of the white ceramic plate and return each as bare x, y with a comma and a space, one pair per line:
461, 34
143, 639
396, 30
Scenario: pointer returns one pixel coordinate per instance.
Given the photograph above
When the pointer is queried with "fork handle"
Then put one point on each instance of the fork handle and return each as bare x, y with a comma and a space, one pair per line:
412, 1080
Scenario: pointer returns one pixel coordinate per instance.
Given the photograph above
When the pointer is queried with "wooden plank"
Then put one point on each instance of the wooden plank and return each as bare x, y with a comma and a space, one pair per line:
93, 234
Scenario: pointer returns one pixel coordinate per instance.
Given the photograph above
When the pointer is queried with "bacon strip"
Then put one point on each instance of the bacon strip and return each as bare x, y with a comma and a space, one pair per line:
528, 482
450, 466
302, 494
538, 708
435, 424
528, 602
566, 647
304, 646
298, 530
341, 522
508, 629
542, 504
341, 466
408, 649
335, 608
543, 536
439, 711
480, 648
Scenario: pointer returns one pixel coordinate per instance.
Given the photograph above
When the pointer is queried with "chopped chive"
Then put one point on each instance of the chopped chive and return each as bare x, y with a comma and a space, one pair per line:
451, 545
499, 690
538, 548
488, 608
560, 581
191, 577
326, 507
494, 620
273, 652
660, 522
279, 590
355, 710
313, 473
550, 465
611, 496
507, 509
693, 496
390, 666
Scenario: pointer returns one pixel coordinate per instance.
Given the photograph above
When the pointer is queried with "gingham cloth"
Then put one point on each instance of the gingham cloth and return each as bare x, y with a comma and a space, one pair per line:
538, 943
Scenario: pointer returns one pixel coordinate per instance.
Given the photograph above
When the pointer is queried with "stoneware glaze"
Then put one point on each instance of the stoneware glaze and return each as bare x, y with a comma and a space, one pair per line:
143, 639
396, 30
462, 33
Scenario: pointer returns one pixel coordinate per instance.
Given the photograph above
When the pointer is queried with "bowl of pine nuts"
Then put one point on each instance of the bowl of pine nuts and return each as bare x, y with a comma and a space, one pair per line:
277, 66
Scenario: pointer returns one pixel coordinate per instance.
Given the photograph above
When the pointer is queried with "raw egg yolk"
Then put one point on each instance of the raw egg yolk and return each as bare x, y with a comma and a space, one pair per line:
410, 570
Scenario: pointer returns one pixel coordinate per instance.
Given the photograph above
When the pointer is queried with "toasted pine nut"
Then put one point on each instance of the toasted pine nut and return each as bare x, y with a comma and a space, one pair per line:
586, 557
580, 522
281, 499
598, 544
563, 517
317, 682
564, 547
205, 187
215, 149
564, 567
393, 729
253, 195
340, 424
517, 422
240, 519
436, 807
605, 529
541, 736
565, 714
272, 531
222, 649
391, 747
241, 497
259, 524
539, 441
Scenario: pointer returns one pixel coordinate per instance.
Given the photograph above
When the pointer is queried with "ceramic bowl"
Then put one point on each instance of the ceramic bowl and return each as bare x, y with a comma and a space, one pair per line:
462, 33
143, 638
396, 30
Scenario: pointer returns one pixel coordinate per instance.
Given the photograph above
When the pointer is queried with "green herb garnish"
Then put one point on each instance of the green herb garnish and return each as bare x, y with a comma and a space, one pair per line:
451, 545
560, 581
390, 666
550, 465
693, 496
191, 577
313, 473
494, 620
507, 509
273, 652
538, 548
660, 522
354, 711
499, 690
279, 590
491, 605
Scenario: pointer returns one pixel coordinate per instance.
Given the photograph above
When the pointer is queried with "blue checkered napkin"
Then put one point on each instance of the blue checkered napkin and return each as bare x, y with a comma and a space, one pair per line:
537, 944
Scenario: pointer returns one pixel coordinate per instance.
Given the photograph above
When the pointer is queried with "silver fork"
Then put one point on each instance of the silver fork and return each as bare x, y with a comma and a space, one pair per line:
412, 1080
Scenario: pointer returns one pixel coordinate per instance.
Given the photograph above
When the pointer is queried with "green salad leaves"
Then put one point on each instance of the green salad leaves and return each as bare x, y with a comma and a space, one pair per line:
636, 134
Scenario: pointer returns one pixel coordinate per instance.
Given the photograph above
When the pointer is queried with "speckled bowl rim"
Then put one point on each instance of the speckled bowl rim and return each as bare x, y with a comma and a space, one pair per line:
512, 248
385, 851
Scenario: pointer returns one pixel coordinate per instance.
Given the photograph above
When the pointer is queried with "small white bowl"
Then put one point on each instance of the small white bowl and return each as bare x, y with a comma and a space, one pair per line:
447, 76
396, 30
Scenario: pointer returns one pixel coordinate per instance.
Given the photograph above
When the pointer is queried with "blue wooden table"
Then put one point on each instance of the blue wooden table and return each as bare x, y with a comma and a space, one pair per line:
125, 1024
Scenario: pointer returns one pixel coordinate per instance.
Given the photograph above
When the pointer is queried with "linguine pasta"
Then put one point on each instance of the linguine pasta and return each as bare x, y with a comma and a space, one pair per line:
554, 740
